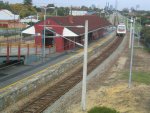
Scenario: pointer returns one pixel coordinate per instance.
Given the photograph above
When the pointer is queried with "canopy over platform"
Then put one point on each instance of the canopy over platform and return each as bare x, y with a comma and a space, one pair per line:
30, 30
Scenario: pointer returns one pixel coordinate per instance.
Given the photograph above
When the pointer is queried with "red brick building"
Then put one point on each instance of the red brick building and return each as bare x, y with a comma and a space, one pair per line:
56, 26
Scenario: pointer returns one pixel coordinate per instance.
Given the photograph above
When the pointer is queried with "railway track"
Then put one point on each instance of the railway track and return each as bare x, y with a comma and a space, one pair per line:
55, 92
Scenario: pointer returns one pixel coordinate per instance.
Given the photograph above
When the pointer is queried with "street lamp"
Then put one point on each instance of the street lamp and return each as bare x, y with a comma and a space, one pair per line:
139, 32
21, 24
45, 9
131, 29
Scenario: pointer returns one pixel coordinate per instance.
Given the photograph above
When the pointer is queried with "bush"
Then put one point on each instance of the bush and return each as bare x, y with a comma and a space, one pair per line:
102, 110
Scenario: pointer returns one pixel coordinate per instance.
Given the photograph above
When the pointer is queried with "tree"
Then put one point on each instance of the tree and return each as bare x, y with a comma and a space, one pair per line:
4, 5
50, 5
145, 35
93, 7
125, 10
23, 10
84, 8
63, 11
132, 9
27, 2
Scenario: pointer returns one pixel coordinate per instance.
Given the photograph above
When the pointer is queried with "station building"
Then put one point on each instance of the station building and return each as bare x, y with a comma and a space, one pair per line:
61, 28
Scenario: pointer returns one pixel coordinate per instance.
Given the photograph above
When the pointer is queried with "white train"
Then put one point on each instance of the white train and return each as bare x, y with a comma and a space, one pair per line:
121, 30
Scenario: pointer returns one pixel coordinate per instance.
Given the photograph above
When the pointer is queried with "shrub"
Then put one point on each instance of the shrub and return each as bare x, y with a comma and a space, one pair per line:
102, 110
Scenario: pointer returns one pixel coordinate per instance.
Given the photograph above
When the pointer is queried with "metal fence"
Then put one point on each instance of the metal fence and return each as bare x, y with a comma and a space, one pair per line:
9, 32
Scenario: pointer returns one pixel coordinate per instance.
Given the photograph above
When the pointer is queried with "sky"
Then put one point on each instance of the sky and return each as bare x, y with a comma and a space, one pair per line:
98, 3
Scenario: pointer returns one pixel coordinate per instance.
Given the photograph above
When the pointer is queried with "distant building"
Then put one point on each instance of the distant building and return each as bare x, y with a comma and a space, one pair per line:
77, 12
7, 15
91, 13
80, 13
9, 20
31, 18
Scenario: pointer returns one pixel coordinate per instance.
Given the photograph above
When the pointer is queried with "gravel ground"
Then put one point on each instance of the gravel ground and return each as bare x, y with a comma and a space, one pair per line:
112, 90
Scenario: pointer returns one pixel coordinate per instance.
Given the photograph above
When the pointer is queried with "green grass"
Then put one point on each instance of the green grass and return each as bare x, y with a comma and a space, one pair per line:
102, 110
140, 77
147, 49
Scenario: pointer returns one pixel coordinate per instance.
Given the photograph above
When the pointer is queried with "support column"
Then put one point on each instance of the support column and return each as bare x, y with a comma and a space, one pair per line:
28, 50
19, 52
59, 42
7, 53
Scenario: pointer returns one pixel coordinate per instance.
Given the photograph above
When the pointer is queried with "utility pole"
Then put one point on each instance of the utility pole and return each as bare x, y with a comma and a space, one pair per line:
132, 52
43, 37
131, 27
139, 36
83, 101
127, 23
115, 16
44, 34
71, 10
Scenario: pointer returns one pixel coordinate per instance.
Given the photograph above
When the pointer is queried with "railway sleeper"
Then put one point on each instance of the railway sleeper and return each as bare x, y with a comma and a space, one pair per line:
100, 59
62, 85
31, 110
35, 107
36, 103
76, 78
78, 72
95, 64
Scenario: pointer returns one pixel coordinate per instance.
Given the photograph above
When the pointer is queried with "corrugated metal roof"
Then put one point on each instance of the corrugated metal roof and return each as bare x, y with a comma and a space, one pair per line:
28, 20
7, 15
30, 30
95, 22
68, 22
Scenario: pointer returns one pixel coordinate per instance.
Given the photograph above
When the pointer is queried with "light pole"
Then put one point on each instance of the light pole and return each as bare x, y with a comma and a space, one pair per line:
21, 24
127, 21
139, 29
131, 27
15, 26
132, 50
43, 36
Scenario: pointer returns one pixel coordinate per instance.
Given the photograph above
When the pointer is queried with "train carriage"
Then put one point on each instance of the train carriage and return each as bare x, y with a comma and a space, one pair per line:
121, 30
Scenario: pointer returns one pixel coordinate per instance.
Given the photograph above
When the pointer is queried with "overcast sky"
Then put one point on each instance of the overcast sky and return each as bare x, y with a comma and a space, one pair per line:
144, 4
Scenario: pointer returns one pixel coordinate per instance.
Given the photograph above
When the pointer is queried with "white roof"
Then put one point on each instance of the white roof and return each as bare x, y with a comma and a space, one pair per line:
30, 30
66, 32
29, 20
7, 15
75, 13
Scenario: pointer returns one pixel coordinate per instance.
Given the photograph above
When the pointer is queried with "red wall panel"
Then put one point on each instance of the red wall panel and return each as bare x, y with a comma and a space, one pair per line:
59, 41
59, 44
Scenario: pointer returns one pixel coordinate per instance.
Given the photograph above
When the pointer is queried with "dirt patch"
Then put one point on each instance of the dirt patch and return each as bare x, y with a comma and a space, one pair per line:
112, 90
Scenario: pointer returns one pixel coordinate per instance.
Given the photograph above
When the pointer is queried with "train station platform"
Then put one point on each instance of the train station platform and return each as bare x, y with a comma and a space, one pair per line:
47, 71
